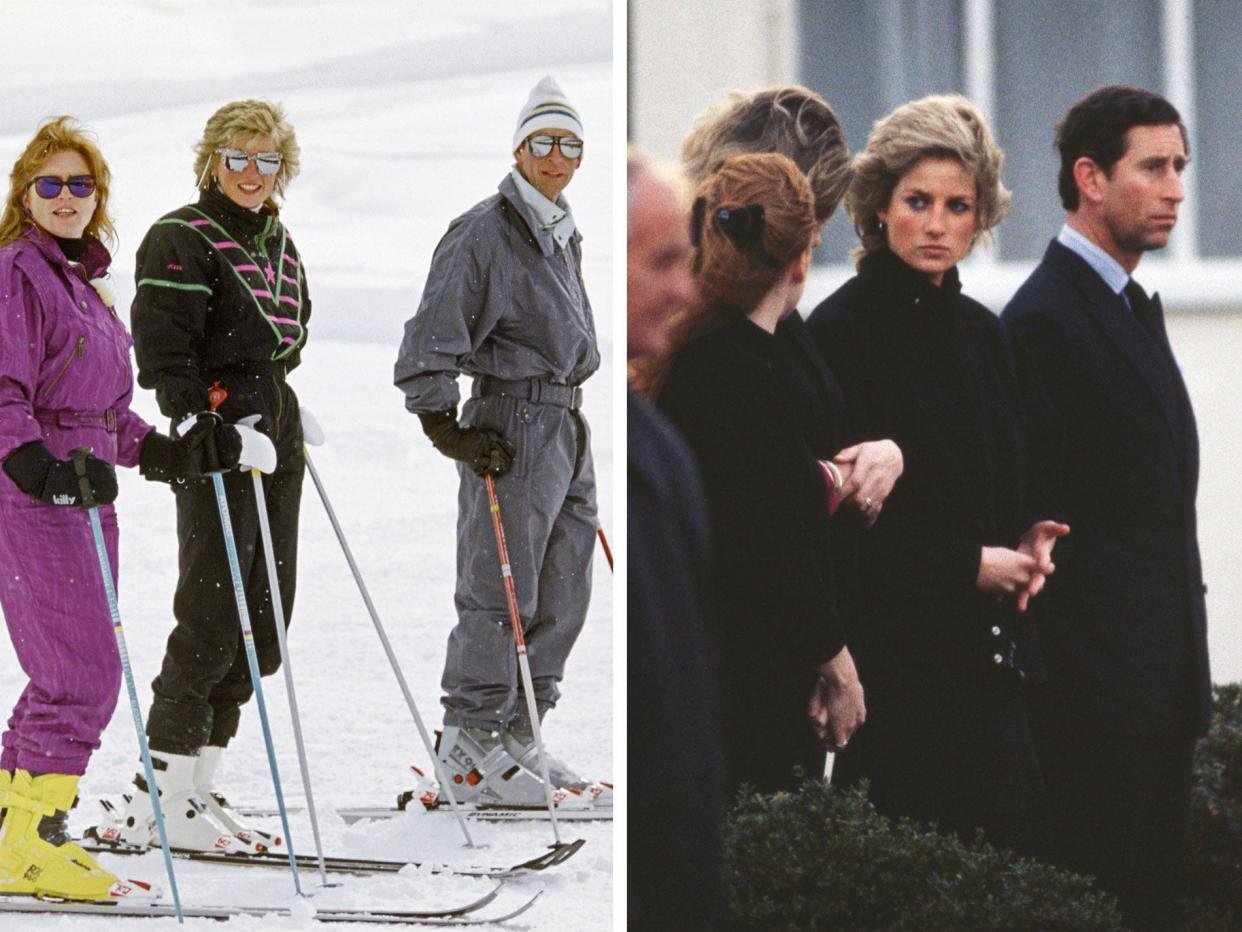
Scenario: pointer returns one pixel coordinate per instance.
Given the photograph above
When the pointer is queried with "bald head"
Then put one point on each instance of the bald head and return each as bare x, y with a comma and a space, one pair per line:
658, 278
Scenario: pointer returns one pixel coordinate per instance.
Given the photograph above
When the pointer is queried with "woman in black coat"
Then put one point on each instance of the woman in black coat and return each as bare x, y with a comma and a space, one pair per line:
950, 565
768, 498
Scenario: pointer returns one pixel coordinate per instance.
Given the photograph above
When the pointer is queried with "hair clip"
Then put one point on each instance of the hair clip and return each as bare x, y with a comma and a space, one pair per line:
743, 225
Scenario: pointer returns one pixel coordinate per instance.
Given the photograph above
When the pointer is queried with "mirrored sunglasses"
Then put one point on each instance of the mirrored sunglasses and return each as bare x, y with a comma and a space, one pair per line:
48, 186
235, 160
541, 146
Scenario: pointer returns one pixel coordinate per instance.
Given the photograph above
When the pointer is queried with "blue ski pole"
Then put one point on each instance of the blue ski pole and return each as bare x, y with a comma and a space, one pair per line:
257, 442
105, 569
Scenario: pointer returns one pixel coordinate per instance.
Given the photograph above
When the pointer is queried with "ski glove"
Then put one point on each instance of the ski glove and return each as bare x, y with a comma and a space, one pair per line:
208, 446
40, 475
481, 448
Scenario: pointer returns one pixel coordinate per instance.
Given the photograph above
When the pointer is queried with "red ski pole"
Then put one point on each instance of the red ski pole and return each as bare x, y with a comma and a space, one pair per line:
515, 620
607, 550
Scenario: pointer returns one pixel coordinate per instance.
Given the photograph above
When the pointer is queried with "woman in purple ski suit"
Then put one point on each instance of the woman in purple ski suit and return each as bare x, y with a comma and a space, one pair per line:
65, 383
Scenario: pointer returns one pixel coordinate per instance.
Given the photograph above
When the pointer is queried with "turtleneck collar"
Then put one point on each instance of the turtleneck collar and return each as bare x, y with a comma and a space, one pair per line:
94, 256
884, 265
221, 204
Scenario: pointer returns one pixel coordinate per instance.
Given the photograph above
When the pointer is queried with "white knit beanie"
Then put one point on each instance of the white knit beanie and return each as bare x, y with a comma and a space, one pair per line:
546, 108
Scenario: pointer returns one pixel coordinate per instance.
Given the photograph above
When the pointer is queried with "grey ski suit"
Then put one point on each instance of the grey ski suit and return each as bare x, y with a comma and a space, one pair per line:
506, 305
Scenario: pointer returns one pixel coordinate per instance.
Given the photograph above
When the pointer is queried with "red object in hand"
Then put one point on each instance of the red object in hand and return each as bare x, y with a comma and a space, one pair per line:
216, 395
832, 478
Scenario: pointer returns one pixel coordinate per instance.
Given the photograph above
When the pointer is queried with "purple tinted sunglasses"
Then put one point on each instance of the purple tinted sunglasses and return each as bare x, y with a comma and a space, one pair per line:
48, 186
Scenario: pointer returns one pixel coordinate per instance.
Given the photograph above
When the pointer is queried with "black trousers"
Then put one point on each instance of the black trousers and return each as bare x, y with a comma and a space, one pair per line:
205, 677
1120, 806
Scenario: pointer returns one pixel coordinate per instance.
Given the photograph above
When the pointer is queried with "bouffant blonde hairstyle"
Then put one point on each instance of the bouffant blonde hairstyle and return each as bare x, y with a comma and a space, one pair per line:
234, 125
943, 126
60, 134
788, 119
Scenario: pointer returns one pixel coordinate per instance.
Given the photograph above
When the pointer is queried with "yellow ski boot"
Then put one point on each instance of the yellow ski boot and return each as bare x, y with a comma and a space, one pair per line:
36, 855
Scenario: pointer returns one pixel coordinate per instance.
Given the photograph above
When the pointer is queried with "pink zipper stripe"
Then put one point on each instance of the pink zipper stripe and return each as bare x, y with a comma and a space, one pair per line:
288, 279
289, 340
292, 261
200, 223
227, 244
247, 268
283, 320
285, 299
260, 293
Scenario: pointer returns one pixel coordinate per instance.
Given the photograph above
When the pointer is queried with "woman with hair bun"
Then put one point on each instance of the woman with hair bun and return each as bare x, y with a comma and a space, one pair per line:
727, 392
221, 303
963, 543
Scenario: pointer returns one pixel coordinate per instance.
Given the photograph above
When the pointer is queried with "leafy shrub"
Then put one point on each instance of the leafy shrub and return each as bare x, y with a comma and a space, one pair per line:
824, 859
1215, 868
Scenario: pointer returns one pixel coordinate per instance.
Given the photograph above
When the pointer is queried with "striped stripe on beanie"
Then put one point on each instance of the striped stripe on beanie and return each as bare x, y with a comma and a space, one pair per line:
546, 108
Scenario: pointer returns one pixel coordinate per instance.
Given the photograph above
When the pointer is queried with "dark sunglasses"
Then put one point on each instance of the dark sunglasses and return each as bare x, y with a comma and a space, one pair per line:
235, 160
48, 186
541, 146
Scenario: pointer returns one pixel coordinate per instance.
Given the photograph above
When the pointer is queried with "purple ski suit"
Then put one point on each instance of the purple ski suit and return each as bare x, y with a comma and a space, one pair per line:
65, 379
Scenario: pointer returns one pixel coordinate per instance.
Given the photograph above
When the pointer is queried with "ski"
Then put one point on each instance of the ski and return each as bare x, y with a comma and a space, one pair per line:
461, 916
557, 854
489, 814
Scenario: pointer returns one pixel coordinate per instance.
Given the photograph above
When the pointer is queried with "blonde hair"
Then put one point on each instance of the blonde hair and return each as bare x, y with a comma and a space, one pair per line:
944, 126
59, 134
236, 124
788, 120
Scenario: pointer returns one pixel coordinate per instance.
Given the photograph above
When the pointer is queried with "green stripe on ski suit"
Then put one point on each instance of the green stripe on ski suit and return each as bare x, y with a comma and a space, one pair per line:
281, 350
161, 283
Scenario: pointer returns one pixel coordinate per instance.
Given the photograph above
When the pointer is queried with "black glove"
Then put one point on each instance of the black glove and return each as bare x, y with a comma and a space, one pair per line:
40, 475
208, 446
481, 448
180, 397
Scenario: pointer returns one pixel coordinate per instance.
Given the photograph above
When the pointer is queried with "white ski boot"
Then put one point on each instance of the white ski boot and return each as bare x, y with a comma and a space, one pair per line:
187, 819
521, 747
250, 840
484, 773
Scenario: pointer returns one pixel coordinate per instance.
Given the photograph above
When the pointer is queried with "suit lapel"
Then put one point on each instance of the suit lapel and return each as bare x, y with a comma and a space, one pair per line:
1112, 315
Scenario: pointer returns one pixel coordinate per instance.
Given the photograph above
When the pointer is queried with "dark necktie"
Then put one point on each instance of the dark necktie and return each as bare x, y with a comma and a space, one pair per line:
1147, 311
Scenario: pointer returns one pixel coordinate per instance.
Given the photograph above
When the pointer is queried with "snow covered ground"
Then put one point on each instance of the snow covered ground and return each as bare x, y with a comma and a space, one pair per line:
404, 112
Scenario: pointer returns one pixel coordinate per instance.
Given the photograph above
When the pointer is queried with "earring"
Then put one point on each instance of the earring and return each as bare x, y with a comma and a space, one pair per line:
879, 226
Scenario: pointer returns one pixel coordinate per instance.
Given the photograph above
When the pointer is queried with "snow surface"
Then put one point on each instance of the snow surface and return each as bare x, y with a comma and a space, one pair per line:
404, 113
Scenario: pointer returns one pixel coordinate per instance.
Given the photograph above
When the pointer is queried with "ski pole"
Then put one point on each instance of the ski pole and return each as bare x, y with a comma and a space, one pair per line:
105, 569
278, 618
607, 550
515, 620
314, 435
256, 448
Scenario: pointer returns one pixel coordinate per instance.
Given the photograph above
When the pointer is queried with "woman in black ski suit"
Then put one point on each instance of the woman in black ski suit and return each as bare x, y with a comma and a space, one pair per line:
222, 302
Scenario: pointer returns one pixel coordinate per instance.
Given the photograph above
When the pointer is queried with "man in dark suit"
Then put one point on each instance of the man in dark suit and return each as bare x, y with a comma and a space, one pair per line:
1123, 622
677, 788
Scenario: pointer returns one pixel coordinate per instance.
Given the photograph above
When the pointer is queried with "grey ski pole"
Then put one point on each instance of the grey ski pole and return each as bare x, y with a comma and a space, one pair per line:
105, 569
278, 617
313, 435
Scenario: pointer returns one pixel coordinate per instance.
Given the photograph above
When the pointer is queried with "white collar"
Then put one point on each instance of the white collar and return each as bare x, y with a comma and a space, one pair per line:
552, 216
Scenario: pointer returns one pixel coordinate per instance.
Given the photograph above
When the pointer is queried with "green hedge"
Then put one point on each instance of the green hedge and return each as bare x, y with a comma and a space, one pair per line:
824, 859
1215, 868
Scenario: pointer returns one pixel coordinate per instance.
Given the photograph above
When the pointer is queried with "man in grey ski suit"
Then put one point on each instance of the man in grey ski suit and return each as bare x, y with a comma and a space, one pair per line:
505, 304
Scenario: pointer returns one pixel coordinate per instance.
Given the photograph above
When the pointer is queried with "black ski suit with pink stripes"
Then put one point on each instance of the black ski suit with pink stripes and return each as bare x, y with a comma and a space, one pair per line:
221, 297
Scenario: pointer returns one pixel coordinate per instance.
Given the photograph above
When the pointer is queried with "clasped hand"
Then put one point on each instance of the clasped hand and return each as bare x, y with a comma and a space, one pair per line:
1024, 571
